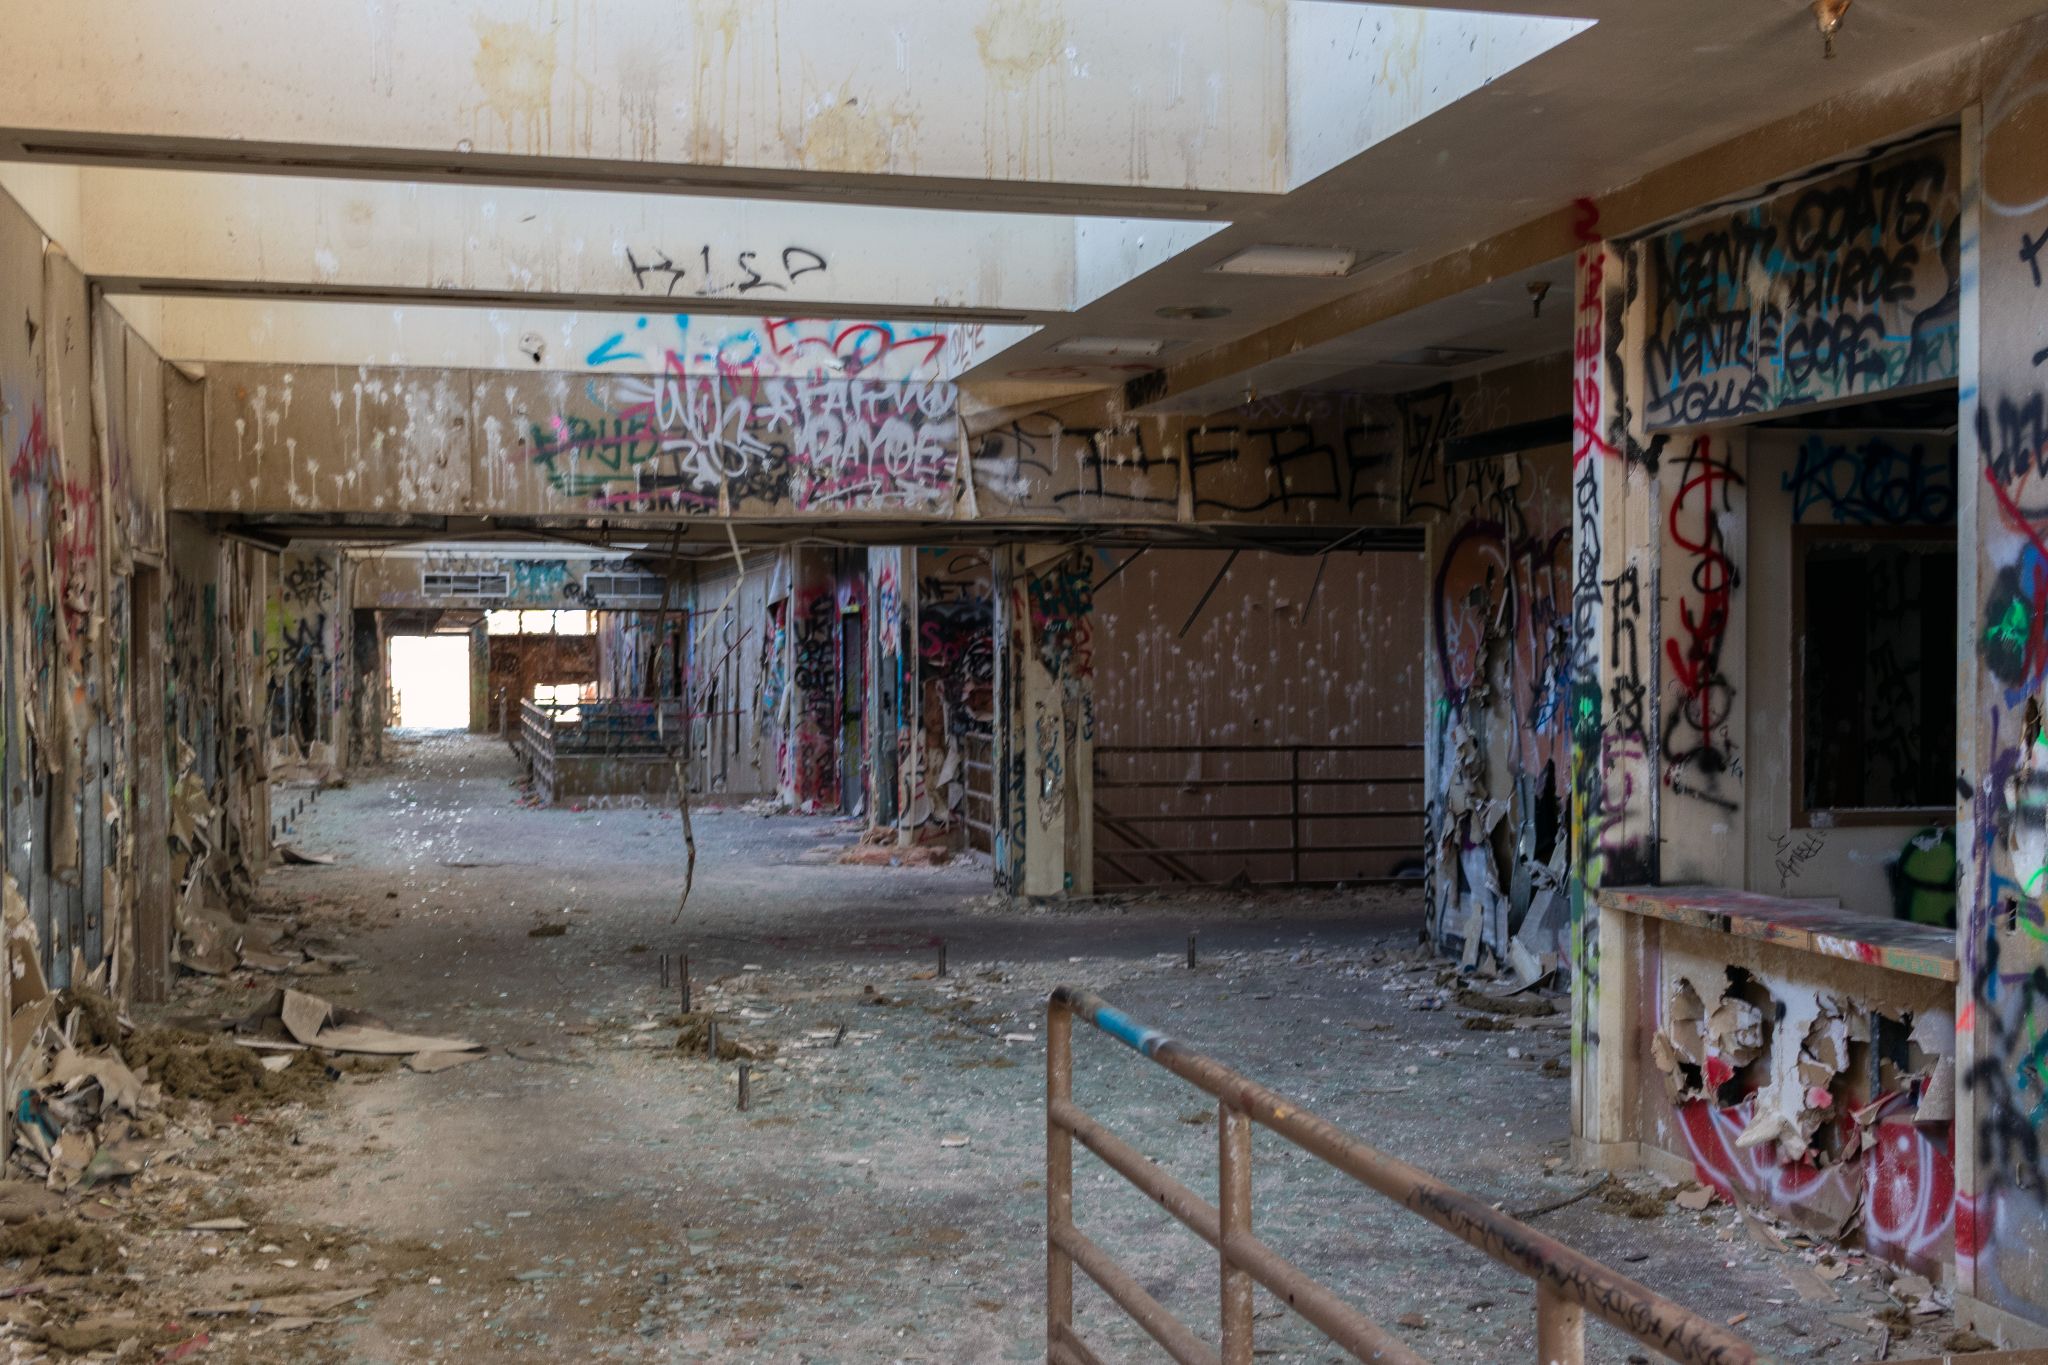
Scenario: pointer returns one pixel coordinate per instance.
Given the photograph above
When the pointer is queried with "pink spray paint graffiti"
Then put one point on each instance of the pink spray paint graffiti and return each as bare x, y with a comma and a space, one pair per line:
794, 414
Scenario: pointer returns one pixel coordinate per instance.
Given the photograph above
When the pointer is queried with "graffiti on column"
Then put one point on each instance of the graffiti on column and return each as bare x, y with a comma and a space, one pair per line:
305, 690
2003, 938
1060, 600
815, 675
1700, 758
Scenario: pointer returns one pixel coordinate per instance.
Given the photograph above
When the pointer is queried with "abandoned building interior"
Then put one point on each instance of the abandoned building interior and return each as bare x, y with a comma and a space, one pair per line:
615, 617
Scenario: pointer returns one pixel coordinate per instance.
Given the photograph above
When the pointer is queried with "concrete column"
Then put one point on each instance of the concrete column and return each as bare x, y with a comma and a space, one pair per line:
1616, 572
2001, 1135
892, 728
810, 766
479, 678
1045, 704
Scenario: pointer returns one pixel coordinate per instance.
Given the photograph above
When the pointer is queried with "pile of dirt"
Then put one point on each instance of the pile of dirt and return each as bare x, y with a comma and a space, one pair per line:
60, 1246
1525, 1006
105, 1333
694, 1037
1618, 1198
192, 1066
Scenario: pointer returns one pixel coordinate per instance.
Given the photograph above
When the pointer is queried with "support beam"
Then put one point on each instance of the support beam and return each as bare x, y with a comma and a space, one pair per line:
374, 240
1045, 721
968, 103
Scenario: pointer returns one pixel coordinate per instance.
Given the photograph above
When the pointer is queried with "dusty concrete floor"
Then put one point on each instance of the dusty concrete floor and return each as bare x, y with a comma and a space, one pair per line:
587, 1194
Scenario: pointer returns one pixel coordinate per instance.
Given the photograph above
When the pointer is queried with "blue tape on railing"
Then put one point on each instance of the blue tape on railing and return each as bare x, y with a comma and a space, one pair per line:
1127, 1030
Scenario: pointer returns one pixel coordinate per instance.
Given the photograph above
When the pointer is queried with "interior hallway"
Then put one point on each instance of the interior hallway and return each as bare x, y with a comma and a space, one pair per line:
586, 1193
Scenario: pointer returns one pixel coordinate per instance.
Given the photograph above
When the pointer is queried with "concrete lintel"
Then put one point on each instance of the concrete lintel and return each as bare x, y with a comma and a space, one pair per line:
308, 332
186, 231
982, 91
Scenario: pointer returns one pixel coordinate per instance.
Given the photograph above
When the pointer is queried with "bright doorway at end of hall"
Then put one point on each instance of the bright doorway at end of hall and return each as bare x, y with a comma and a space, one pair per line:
430, 681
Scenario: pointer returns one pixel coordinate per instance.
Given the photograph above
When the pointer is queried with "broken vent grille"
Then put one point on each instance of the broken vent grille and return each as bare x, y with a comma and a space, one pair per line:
624, 587
466, 584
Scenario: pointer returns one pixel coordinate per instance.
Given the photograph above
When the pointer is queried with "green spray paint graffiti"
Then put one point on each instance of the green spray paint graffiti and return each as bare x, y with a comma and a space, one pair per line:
1923, 878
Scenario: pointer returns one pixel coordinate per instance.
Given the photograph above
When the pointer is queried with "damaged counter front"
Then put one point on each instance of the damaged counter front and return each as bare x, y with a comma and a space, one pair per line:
1806, 1057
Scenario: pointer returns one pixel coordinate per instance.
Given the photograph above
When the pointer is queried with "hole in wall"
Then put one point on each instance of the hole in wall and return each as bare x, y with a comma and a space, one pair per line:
1754, 1072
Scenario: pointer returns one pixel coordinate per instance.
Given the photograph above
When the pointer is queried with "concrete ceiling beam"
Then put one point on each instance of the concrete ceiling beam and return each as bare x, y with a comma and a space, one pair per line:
173, 232
1143, 106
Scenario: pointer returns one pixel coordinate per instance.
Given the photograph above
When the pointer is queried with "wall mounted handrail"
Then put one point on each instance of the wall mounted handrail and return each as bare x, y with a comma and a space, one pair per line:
1569, 1284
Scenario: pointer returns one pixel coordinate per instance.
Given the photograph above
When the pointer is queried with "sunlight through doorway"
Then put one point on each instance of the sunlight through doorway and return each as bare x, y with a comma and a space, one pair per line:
430, 681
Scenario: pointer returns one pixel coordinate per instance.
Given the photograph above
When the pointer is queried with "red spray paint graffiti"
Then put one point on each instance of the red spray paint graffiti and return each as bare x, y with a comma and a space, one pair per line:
1706, 696
1588, 410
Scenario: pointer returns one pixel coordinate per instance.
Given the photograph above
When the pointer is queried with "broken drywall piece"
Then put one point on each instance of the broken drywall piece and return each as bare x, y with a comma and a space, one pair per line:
293, 855
427, 1063
303, 1015
208, 940
1547, 914
120, 1088
383, 1042
30, 1003
1735, 1030
1768, 1125
317, 1024
1528, 967
1473, 913
1938, 1099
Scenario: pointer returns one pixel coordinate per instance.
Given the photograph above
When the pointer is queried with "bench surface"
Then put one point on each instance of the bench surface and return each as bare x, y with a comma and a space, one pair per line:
1898, 945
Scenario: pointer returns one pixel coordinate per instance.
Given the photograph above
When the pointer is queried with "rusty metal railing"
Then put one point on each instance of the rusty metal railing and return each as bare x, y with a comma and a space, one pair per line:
1568, 1284
1339, 798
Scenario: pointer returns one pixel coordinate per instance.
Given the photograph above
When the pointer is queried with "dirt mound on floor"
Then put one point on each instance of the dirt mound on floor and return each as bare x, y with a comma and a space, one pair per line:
60, 1246
694, 1039
192, 1066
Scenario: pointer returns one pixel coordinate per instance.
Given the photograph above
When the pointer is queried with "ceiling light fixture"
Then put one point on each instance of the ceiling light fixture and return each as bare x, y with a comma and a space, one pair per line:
1110, 347
1297, 262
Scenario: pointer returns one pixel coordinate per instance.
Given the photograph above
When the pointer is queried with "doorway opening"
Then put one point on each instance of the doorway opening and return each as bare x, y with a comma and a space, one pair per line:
430, 681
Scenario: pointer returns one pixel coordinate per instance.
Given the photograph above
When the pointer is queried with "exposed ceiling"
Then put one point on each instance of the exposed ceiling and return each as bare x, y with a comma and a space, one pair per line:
442, 185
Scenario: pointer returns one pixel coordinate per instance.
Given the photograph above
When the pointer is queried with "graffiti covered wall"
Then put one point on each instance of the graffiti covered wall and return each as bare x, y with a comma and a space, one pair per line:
1305, 457
307, 640
955, 700
2003, 936
789, 419
1850, 284
1498, 664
